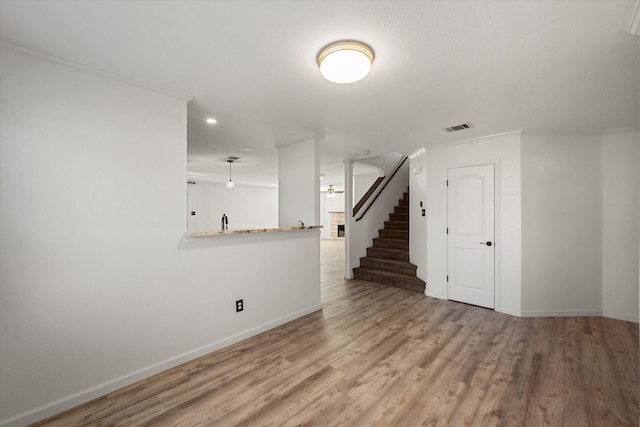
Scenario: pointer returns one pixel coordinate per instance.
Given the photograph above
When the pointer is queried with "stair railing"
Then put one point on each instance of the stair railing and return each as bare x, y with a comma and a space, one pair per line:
367, 195
382, 189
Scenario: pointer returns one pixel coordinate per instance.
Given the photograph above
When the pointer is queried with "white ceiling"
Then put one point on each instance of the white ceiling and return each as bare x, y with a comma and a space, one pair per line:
500, 65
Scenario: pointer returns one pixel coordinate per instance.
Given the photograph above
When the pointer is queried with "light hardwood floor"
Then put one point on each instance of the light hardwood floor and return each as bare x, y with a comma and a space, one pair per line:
381, 356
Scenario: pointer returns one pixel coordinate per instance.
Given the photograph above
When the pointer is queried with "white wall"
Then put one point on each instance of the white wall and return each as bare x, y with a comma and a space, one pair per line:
329, 204
246, 206
620, 212
299, 183
561, 224
418, 223
362, 183
98, 287
504, 151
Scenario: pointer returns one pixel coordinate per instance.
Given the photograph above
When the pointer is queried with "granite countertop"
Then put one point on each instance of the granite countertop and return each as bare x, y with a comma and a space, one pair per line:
212, 233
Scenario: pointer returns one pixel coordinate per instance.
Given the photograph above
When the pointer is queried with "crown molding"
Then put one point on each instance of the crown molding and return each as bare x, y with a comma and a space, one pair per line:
621, 130
550, 132
634, 24
580, 132
474, 139
562, 132
97, 70
417, 153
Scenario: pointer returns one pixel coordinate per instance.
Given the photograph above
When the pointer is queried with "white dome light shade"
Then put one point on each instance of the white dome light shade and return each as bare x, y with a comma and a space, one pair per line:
345, 62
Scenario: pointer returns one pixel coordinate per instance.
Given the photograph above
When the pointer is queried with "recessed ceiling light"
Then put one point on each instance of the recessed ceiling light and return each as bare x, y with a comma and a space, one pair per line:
212, 121
248, 150
345, 62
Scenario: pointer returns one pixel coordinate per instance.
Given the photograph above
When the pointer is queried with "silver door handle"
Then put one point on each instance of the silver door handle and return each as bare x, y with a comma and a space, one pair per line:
486, 243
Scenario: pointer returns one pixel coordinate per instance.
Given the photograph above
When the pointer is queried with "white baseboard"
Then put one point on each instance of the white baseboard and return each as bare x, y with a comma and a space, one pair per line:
76, 399
509, 311
563, 313
430, 293
619, 316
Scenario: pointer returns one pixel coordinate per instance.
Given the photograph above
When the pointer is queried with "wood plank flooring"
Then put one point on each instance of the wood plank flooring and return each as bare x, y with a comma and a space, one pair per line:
383, 356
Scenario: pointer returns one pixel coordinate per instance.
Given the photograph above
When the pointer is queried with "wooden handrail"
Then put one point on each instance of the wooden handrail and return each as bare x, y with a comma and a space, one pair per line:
382, 189
366, 195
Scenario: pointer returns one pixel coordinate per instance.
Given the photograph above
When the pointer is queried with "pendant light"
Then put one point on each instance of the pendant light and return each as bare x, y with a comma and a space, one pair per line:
230, 185
345, 61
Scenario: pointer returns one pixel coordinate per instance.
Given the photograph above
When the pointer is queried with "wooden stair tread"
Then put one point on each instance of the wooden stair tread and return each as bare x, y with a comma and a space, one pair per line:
391, 249
391, 261
395, 254
387, 243
399, 227
391, 274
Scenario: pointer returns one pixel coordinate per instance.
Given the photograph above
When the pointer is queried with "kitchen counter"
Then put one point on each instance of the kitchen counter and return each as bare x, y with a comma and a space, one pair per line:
213, 233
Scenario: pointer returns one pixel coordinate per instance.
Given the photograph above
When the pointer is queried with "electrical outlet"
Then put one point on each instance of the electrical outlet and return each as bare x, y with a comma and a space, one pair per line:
239, 305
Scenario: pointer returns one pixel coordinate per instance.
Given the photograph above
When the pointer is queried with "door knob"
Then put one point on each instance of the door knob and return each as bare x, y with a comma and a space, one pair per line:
486, 243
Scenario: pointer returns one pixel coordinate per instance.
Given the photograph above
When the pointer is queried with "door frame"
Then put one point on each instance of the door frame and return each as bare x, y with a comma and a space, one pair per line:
496, 224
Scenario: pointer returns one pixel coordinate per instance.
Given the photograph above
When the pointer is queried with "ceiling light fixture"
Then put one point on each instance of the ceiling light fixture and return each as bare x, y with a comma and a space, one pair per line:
212, 121
230, 185
331, 192
345, 62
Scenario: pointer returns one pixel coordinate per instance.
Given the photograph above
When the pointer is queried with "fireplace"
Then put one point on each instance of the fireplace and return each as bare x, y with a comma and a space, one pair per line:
336, 225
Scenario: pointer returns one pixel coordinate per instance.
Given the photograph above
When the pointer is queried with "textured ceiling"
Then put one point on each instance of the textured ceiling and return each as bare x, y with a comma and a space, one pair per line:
500, 65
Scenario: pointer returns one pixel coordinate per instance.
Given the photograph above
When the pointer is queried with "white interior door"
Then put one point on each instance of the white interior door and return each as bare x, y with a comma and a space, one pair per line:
471, 244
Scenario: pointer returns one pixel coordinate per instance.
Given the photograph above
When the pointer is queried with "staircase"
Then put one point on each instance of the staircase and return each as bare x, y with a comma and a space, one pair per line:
387, 261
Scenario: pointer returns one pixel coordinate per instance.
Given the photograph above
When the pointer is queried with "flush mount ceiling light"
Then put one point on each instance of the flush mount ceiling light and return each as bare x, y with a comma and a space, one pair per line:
230, 185
345, 62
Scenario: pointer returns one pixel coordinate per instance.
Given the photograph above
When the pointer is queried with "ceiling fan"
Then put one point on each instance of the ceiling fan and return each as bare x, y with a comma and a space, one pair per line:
331, 192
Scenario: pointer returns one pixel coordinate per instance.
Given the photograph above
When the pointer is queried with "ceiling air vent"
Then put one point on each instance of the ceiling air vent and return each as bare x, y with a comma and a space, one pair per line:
456, 128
